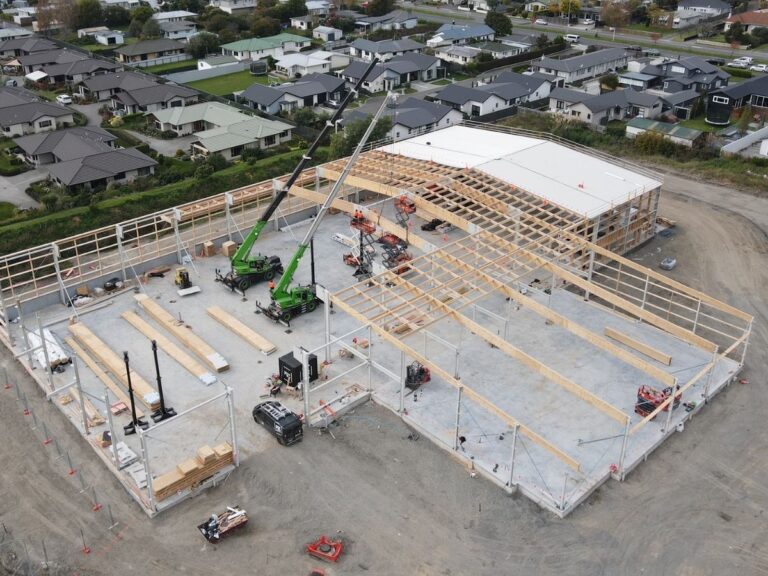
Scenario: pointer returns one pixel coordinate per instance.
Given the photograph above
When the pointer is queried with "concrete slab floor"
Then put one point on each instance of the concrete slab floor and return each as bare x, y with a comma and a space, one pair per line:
542, 405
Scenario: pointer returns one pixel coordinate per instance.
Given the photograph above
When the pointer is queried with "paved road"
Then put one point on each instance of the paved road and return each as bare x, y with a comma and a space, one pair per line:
12, 188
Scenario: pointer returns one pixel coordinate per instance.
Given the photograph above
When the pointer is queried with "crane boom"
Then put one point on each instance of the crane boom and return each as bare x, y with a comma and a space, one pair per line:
245, 249
282, 297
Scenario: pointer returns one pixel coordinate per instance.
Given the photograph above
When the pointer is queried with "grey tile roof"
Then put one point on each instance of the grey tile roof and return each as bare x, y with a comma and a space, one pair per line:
411, 113
99, 166
399, 64
149, 46
154, 94
177, 26
585, 61
640, 98
677, 98
87, 66
51, 57
11, 96
463, 31
757, 86
717, 4
313, 84
356, 69
260, 94
568, 95
67, 144
423, 61
385, 46
25, 113
28, 45
457, 94
122, 80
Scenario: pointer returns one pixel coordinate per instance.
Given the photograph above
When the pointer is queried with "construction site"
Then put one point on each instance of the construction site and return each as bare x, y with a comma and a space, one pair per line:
476, 283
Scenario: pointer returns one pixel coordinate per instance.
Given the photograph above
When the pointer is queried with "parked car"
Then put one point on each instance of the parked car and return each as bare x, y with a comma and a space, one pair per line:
668, 263
64, 99
11, 82
738, 64
716, 61
746, 59
652, 52
541, 22
283, 424
759, 67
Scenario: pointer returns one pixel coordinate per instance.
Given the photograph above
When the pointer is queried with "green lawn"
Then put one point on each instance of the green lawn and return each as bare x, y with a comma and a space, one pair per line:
228, 83
436, 13
700, 124
7, 210
124, 138
173, 67
459, 76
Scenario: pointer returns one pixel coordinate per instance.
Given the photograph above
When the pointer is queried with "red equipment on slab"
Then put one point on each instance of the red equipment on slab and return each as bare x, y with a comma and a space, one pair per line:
326, 549
648, 399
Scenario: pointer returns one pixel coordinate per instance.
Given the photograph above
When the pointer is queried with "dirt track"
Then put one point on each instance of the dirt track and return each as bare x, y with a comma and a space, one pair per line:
695, 508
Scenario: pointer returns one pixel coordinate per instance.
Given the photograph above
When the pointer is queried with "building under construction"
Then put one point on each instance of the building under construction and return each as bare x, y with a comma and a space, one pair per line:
555, 362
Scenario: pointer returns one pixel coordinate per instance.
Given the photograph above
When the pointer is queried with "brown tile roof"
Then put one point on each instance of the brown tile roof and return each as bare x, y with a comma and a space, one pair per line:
750, 18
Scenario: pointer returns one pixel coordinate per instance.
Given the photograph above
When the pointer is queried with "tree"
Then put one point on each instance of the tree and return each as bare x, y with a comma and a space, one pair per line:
613, 14
570, 7
654, 13
542, 41
746, 117
65, 13
610, 81
380, 7
115, 16
45, 15
343, 143
346, 25
151, 29
89, 13
655, 37
499, 22
134, 29
290, 9
735, 33
142, 13
265, 26
203, 44
305, 116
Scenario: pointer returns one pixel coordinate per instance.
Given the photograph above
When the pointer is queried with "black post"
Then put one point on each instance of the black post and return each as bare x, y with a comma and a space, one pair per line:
131, 428
312, 259
163, 413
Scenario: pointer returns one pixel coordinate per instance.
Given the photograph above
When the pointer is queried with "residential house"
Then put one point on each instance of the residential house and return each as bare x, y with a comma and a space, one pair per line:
232, 139
749, 20
211, 62
520, 42
497, 49
38, 60
396, 20
109, 38
14, 32
385, 49
673, 132
327, 34
258, 48
707, 7
181, 30
234, 7
151, 52
722, 103
298, 65
461, 55
396, 72
185, 120
34, 117
153, 98
83, 32
100, 170
25, 46
173, 16
637, 80
461, 34
65, 145
126, 4
689, 73
302, 22
535, 6
72, 72
310, 90
318, 8
583, 67
104, 87
413, 116
600, 109
506, 91
679, 104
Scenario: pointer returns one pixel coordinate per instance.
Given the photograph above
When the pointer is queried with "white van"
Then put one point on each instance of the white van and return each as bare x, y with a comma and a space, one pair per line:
572, 38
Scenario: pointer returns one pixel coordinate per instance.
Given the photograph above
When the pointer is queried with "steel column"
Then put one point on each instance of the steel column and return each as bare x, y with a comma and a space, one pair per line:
458, 418
145, 457
47, 359
86, 430
511, 481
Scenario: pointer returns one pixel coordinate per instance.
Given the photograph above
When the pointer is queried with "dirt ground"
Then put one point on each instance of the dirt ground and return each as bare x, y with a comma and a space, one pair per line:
405, 507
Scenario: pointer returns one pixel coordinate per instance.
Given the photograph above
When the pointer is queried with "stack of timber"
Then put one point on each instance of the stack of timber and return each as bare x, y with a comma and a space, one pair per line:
191, 340
245, 332
116, 365
193, 471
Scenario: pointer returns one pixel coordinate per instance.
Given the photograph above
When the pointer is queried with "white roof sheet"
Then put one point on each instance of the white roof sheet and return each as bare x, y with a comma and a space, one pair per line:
36, 76
569, 178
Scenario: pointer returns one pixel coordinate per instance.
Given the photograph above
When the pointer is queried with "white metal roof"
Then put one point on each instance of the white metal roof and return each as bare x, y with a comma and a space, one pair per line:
575, 180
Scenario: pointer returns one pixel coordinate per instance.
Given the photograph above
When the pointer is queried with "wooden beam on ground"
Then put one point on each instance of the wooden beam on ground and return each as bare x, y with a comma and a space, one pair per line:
142, 389
641, 347
466, 390
100, 374
187, 361
524, 358
182, 333
245, 332
564, 322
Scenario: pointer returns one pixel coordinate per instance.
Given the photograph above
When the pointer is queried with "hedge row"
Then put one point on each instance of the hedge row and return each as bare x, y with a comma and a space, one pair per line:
26, 234
522, 57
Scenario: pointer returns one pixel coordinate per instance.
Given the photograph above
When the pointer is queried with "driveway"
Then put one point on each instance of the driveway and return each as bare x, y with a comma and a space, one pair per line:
166, 147
12, 188
90, 111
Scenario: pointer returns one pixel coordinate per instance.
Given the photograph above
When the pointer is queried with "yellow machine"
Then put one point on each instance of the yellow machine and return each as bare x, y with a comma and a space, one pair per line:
182, 278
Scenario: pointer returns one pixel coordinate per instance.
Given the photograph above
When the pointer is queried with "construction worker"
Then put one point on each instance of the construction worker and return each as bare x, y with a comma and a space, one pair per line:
358, 216
271, 286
